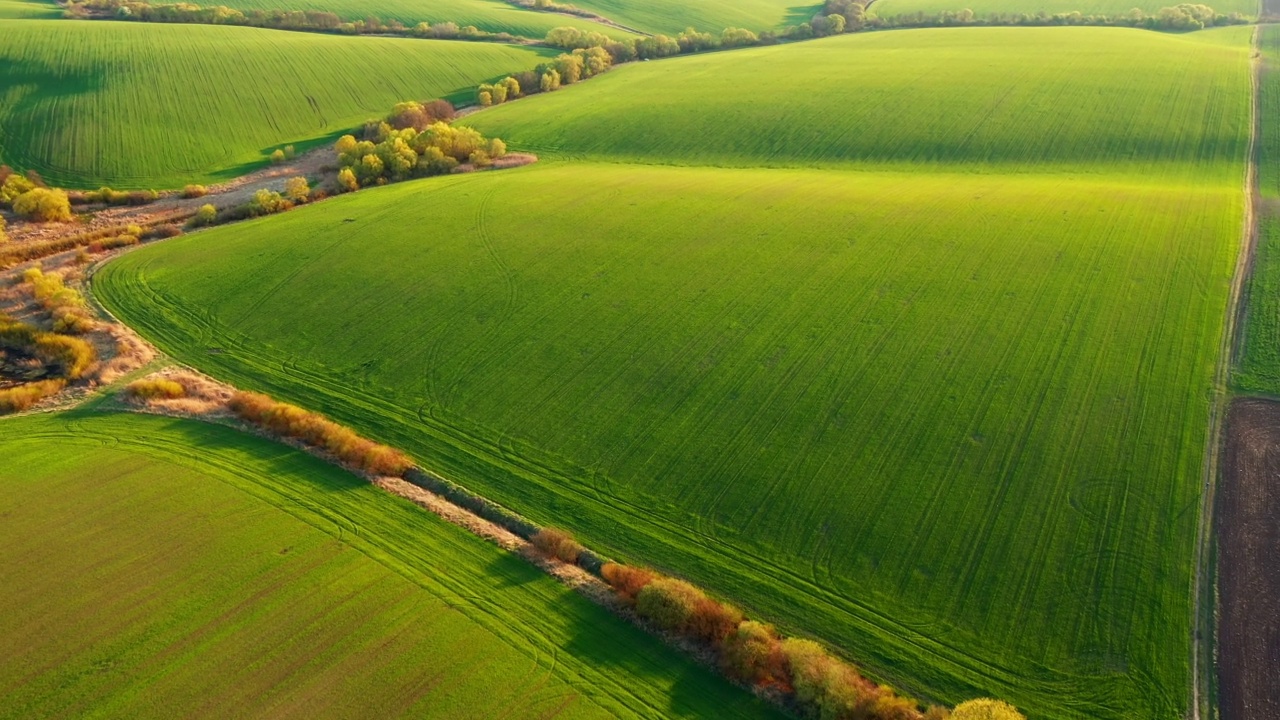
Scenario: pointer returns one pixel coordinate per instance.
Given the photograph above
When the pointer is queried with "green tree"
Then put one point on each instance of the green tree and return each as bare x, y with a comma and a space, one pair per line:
549, 81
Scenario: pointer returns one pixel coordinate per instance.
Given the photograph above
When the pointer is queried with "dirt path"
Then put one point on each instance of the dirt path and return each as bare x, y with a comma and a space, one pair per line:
1204, 636
227, 194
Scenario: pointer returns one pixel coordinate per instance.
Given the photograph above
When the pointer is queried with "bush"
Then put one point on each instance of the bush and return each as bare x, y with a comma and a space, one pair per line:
206, 215
986, 709
297, 189
43, 205
22, 397
4, 237
67, 306
73, 356
669, 603
13, 186
752, 653
347, 181
194, 191
111, 243
557, 544
156, 389
277, 157
626, 580
267, 202
713, 621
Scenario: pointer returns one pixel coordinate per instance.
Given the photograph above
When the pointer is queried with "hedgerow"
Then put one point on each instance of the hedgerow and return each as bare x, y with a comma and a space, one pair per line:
319, 432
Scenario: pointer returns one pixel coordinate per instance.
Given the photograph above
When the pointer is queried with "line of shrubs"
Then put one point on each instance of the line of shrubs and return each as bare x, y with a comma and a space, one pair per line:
22, 397
798, 671
303, 20
319, 432
92, 241
839, 16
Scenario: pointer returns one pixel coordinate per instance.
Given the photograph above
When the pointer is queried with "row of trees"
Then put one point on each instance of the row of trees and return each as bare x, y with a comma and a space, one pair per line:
839, 16
754, 653
309, 20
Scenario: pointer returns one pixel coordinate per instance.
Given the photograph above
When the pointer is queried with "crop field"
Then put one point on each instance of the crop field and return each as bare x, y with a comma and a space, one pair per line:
1258, 360
886, 8
490, 15
993, 99
10, 9
672, 16
94, 103
808, 389
250, 578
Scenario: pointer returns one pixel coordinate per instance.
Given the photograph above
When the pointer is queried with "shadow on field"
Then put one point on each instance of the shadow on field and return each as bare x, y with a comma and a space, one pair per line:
513, 571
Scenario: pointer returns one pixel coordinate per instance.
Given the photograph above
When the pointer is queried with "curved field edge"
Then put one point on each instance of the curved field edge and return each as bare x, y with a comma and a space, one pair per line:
90, 103
1085, 101
248, 575
1115, 405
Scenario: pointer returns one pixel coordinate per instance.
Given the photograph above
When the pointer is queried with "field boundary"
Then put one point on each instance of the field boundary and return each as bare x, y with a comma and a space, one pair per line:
1204, 651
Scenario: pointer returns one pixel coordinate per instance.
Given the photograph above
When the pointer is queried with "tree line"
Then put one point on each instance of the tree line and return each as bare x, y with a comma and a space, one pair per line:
840, 16
304, 20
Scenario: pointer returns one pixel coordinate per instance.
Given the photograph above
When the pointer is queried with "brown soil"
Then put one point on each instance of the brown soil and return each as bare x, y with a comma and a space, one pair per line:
1249, 563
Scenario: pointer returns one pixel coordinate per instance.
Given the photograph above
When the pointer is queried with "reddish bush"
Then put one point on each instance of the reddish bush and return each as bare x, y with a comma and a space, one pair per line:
712, 621
627, 581
752, 653
557, 544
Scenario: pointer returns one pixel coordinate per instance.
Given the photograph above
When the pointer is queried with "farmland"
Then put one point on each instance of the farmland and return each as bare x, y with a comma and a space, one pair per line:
887, 8
982, 99
822, 408
252, 577
259, 90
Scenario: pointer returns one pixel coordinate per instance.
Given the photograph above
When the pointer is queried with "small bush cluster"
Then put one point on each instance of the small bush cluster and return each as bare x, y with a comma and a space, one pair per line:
390, 154
43, 205
194, 191
986, 709
557, 544
155, 389
319, 432
66, 305
72, 356
206, 215
22, 397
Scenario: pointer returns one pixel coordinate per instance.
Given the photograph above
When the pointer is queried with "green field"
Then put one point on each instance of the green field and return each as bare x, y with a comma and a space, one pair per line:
1083, 100
673, 16
1258, 358
26, 9
141, 579
93, 103
887, 8
810, 390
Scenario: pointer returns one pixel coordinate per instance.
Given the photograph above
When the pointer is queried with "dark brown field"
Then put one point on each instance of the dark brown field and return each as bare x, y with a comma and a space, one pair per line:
1249, 563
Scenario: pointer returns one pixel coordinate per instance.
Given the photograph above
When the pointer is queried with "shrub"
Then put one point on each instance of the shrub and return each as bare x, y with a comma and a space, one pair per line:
669, 603
712, 621
347, 181
626, 580
194, 191
289, 152
66, 305
267, 202
986, 709
22, 397
557, 544
752, 653
277, 157
43, 205
162, 232
155, 389
111, 243
297, 189
4, 237
206, 215
13, 186
824, 683
73, 356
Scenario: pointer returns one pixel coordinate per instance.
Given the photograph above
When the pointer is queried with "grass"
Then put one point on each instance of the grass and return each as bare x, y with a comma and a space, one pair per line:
1257, 367
144, 580
985, 99
813, 391
672, 16
886, 8
27, 9
490, 15
143, 105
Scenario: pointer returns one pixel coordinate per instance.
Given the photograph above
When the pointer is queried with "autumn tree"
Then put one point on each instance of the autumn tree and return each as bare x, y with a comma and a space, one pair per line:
43, 205
297, 189
347, 181
986, 709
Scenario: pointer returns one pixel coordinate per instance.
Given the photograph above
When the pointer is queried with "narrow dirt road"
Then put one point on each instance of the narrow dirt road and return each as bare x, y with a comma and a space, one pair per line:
1204, 635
